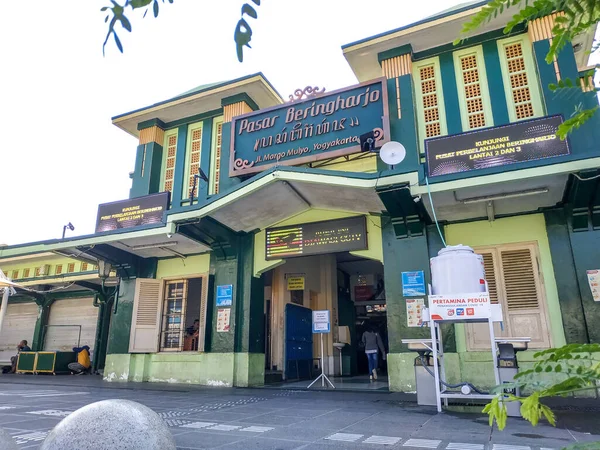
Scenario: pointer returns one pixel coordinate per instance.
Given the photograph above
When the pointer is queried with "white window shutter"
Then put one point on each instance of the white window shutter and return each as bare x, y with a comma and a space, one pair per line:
514, 281
203, 319
478, 334
145, 322
525, 302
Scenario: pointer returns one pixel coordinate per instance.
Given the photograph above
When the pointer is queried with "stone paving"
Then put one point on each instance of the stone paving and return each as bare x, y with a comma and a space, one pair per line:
279, 419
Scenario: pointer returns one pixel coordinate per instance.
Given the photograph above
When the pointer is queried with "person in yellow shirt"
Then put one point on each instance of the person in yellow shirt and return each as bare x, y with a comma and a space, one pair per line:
83, 361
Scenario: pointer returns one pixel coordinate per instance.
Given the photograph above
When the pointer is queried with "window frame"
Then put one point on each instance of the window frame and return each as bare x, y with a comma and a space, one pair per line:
416, 66
532, 77
187, 188
163, 171
202, 313
542, 307
483, 84
212, 177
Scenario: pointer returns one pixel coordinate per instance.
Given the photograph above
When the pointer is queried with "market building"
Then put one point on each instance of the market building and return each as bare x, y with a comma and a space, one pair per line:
247, 211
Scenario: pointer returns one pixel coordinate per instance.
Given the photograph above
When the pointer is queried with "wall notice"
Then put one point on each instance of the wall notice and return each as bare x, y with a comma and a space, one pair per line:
225, 295
414, 311
413, 283
321, 323
295, 283
223, 316
594, 282
460, 306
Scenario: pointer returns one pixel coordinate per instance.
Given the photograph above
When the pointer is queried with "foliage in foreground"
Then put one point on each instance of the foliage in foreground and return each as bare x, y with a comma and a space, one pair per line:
557, 372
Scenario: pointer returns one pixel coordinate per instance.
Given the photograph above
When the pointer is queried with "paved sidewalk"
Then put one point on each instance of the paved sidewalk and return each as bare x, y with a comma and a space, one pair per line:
280, 419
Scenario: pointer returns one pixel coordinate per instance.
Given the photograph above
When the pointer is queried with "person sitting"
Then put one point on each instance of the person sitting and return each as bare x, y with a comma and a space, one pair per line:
22, 347
83, 361
191, 338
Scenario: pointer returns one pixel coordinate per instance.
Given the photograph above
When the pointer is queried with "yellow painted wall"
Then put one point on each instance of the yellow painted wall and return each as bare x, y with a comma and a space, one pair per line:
508, 231
32, 263
174, 267
374, 238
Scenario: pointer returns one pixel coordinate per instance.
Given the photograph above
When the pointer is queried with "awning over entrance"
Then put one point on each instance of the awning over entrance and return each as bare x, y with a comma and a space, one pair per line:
284, 193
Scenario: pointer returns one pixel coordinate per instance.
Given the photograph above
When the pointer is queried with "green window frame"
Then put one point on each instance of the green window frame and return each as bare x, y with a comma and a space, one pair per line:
193, 154
521, 82
167, 175
473, 91
429, 98
216, 151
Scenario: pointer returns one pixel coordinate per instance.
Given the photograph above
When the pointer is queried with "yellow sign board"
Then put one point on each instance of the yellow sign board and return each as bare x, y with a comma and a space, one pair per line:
295, 283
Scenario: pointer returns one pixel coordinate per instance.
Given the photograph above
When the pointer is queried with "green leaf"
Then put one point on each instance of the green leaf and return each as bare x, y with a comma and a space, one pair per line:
118, 42
155, 7
139, 3
548, 414
558, 368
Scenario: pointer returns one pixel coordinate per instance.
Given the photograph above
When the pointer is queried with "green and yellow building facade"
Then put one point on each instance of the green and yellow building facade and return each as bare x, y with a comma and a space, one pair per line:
478, 123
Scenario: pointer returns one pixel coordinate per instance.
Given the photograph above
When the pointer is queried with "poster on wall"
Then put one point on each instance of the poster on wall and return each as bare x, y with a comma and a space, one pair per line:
414, 311
225, 295
413, 283
594, 282
528, 140
223, 316
295, 283
460, 306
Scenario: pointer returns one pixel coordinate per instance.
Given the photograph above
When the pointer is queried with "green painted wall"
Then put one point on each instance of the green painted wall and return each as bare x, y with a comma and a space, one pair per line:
586, 254
568, 288
120, 323
401, 255
149, 182
209, 369
513, 230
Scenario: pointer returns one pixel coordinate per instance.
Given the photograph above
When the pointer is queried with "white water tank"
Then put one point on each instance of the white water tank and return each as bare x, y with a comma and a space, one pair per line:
457, 270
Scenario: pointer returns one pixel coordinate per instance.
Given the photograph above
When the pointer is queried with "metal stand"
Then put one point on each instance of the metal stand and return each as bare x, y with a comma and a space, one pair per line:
322, 377
438, 367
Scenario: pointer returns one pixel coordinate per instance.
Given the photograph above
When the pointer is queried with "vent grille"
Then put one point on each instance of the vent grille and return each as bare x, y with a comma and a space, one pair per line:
519, 81
430, 102
195, 149
170, 162
472, 90
147, 310
519, 279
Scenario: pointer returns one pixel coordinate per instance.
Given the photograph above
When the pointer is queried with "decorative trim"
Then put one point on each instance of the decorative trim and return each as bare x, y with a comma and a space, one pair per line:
153, 134
150, 123
241, 97
307, 92
235, 109
397, 66
541, 29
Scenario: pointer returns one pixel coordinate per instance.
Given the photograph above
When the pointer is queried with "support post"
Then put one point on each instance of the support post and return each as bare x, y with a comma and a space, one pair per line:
4, 306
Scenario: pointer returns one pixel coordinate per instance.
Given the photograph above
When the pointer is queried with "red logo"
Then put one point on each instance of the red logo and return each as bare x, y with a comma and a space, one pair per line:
450, 312
470, 312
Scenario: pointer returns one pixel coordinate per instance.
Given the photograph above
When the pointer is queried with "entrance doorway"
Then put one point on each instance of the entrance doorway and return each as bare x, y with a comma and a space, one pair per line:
353, 290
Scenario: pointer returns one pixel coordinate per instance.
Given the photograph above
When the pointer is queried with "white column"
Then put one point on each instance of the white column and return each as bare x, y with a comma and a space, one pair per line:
4, 306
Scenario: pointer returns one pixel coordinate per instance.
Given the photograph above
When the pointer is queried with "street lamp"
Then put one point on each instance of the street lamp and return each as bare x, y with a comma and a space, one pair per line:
69, 226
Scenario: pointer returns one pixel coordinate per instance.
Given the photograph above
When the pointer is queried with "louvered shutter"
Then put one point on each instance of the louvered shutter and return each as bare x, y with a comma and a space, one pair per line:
514, 281
479, 333
203, 318
145, 321
525, 309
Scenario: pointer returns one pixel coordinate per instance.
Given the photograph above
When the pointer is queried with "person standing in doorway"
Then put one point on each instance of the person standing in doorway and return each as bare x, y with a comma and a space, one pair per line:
372, 343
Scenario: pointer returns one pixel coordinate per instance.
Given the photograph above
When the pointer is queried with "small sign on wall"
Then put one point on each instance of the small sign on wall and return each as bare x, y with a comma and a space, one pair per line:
594, 282
223, 316
413, 283
414, 311
295, 283
225, 295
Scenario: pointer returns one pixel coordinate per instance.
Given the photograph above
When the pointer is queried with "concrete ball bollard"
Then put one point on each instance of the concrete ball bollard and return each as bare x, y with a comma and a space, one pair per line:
6, 441
111, 425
